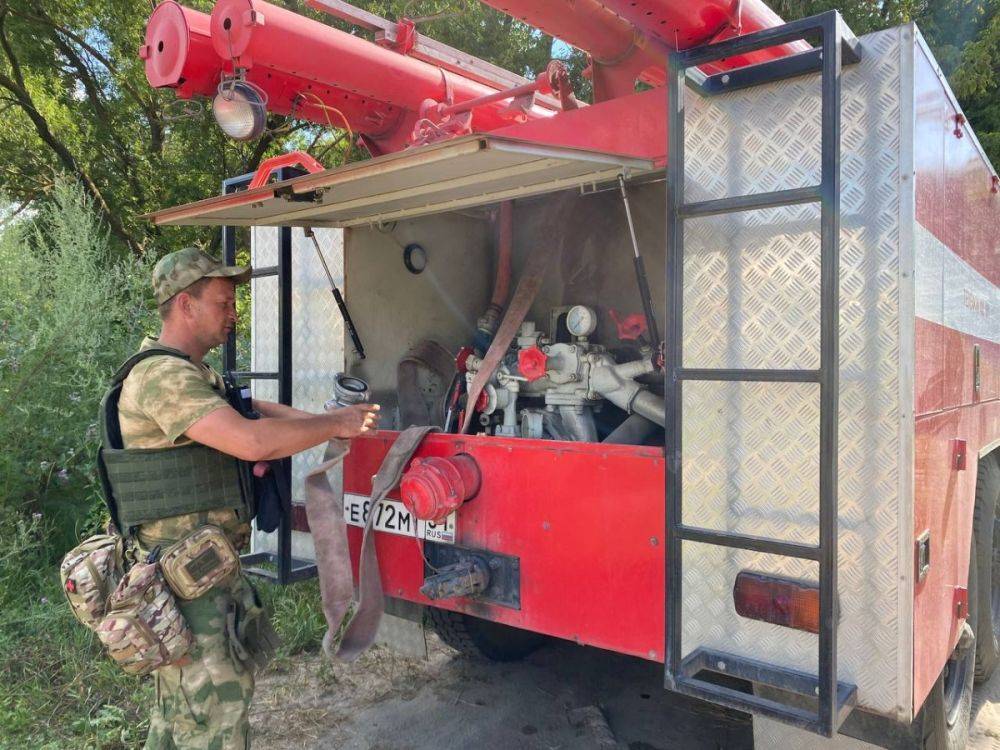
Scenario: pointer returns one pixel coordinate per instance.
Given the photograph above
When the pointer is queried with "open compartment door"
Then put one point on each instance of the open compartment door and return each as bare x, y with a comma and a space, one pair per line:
468, 171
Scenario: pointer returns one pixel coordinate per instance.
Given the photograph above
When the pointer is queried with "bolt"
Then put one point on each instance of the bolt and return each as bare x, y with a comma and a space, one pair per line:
653, 541
721, 666
546, 526
494, 563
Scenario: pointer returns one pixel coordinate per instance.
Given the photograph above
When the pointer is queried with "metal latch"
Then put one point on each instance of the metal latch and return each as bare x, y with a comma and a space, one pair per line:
923, 555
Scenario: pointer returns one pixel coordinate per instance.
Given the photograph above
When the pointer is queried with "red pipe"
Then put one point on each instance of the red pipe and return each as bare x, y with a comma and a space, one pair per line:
630, 39
179, 54
620, 55
254, 33
680, 25
505, 243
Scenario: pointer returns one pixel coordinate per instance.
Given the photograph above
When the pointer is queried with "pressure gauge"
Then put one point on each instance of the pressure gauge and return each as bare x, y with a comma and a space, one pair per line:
581, 320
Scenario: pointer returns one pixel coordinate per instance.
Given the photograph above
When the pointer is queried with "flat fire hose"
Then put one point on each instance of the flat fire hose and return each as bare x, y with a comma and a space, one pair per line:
325, 512
527, 288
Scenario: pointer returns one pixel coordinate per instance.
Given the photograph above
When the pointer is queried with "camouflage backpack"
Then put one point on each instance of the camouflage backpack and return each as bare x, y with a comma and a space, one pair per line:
144, 629
90, 572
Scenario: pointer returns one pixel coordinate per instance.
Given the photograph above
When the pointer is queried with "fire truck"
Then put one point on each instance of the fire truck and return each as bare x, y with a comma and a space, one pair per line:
714, 357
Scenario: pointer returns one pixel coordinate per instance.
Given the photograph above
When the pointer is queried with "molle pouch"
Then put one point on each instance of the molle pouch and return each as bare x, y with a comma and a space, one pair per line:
200, 561
89, 573
144, 628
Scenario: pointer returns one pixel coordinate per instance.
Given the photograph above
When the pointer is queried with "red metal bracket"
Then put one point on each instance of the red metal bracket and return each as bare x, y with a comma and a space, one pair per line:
291, 159
959, 450
959, 122
962, 600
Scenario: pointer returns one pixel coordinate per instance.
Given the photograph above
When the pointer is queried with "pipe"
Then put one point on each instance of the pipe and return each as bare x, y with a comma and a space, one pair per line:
650, 406
253, 33
620, 56
630, 39
487, 324
633, 431
505, 244
178, 54
681, 25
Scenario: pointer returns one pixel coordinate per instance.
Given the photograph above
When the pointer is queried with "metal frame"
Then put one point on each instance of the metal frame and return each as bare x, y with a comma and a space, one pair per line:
835, 699
289, 569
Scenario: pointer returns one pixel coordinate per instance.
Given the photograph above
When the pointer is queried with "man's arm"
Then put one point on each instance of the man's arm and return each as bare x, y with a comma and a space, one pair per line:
277, 437
271, 409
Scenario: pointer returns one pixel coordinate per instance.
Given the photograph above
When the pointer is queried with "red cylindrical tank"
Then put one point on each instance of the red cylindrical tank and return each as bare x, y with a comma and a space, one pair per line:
178, 51
179, 54
251, 33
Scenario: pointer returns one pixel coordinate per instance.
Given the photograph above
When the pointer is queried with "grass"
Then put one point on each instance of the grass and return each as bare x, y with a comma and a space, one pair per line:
58, 690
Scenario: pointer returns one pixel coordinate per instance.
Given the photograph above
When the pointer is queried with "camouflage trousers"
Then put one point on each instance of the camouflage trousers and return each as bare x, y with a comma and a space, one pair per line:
204, 705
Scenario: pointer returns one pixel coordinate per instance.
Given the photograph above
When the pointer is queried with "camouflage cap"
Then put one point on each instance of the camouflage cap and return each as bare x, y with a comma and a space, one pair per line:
177, 271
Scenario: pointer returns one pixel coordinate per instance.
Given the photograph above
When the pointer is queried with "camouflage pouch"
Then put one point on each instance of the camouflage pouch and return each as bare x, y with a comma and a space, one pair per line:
144, 628
89, 573
203, 559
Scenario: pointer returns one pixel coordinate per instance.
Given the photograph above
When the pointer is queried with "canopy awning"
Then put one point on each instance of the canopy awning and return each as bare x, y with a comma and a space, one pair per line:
470, 171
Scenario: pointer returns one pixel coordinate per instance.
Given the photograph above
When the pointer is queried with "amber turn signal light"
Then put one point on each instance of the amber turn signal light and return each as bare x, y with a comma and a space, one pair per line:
780, 601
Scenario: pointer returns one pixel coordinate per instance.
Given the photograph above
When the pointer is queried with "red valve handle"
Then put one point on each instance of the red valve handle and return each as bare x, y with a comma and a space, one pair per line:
291, 159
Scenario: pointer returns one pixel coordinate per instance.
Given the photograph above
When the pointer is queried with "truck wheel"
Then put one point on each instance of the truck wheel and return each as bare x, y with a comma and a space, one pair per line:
986, 529
944, 719
473, 636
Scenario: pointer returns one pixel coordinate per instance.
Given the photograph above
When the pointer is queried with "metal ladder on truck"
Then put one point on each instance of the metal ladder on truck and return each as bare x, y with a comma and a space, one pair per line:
683, 672
286, 568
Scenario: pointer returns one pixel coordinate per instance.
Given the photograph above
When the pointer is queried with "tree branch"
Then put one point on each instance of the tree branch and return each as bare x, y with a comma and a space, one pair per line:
22, 95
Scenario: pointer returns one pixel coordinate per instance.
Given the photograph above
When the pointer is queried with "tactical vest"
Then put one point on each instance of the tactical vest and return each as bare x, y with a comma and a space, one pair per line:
148, 484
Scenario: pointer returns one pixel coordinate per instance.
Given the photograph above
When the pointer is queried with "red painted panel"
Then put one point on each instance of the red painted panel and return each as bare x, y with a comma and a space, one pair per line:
953, 181
586, 521
635, 125
943, 503
928, 369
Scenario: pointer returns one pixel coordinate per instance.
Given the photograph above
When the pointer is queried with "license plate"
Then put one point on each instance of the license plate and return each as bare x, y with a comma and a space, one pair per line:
393, 517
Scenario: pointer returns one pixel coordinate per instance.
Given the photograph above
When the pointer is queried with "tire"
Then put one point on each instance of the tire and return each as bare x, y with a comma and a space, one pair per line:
943, 722
475, 637
986, 529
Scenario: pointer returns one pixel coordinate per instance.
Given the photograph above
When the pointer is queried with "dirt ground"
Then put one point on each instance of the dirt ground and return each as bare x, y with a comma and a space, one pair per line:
563, 696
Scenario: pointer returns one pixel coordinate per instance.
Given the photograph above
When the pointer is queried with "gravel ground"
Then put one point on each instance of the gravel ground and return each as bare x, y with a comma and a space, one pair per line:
563, 696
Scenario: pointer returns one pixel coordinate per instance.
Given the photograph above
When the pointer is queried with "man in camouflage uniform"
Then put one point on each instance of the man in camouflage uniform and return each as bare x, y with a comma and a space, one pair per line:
203, 702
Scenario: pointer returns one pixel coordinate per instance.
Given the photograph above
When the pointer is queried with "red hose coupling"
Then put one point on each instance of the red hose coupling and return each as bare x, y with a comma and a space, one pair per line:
434, 487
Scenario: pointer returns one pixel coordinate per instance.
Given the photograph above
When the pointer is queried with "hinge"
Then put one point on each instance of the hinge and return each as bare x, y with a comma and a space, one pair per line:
977, 375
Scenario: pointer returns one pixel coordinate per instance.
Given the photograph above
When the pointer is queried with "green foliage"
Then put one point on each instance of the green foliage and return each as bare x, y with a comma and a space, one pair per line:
70, 313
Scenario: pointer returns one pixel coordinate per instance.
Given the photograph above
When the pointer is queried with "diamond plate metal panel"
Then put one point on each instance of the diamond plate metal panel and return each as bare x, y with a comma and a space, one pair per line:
760, 476
317, 332
777, 736
752, 286
317, 336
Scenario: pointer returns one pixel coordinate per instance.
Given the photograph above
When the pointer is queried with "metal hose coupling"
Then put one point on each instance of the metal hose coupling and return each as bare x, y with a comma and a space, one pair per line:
433, 487
347, 391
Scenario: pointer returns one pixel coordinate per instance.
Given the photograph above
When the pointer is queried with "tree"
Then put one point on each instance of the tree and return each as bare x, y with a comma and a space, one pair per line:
75, 100
963, 34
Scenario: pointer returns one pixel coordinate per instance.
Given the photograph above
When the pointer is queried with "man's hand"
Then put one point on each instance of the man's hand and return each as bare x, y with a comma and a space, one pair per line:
277, 437
355, 420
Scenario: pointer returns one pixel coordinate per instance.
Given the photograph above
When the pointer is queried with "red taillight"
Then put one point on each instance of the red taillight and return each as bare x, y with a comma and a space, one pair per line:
780, 601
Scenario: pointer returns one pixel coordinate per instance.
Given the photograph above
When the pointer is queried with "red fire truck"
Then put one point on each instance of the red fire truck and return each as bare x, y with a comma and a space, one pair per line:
715, 359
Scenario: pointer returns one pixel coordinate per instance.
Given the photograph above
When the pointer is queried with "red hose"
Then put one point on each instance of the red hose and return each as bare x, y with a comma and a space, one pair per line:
505, 243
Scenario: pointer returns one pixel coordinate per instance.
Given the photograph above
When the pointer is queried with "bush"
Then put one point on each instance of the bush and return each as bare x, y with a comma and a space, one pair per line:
70, 312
